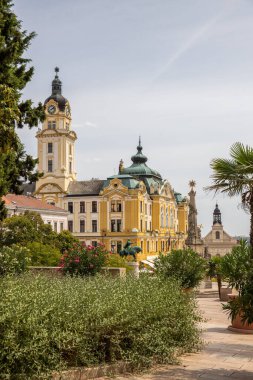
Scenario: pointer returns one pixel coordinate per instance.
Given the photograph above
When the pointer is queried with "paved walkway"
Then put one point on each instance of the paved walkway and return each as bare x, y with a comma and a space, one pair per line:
226, 355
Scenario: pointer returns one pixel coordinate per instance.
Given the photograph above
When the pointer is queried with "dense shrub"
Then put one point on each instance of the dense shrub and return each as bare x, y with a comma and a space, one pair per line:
43, 254
184, 265
83, 260
114, 260
13, 260
65, 240
49, 324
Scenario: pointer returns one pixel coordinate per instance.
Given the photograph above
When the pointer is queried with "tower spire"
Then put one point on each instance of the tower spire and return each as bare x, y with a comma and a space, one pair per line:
56, 83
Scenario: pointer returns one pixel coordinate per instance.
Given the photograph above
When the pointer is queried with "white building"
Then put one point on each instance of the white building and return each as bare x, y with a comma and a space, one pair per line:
50, 214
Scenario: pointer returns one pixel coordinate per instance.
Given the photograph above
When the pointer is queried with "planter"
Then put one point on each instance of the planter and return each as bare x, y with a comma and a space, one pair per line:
135, 267
237, 325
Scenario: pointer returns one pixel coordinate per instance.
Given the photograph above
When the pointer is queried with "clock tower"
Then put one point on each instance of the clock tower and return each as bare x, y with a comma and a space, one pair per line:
56, 147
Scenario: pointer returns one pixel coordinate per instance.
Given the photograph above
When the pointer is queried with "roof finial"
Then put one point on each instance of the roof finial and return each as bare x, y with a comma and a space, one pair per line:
56, 72
139, 140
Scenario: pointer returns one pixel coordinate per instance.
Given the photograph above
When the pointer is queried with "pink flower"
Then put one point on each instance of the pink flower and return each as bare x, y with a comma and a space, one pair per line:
77, 260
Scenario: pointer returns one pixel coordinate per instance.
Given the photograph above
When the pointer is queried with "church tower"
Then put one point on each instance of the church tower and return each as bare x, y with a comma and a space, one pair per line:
56, 147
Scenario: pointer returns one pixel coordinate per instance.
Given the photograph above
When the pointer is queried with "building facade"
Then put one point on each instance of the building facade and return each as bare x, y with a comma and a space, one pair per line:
218, 242
137, 204
50, 214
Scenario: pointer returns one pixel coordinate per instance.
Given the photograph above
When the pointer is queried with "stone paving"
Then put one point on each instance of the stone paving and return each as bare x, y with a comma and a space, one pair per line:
225, 355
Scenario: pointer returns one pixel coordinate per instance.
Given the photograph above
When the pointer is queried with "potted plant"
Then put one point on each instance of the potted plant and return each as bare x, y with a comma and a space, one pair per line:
183, 264
237, 269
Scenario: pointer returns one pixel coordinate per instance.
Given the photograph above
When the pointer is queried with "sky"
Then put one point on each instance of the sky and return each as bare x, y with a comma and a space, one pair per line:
179, 73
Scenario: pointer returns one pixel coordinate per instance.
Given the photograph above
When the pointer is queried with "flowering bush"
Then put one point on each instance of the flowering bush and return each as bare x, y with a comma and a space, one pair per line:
83, 260
13, 260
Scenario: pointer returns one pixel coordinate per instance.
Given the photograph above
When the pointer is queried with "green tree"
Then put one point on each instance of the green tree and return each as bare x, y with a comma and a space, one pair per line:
26, 228
65, 241
234, 176
15, 72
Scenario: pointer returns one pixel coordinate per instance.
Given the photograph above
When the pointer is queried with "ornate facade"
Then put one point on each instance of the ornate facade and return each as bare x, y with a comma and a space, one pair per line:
218, 242
137, 204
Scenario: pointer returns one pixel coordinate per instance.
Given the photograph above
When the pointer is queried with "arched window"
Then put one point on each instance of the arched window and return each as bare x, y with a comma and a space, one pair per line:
162, 218
167, 218
171, 219
217, 235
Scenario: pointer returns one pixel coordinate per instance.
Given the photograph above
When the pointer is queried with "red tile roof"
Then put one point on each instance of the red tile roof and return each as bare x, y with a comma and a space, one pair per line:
27, 202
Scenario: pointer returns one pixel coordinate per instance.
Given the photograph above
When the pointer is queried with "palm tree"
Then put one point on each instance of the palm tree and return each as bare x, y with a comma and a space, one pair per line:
234, 176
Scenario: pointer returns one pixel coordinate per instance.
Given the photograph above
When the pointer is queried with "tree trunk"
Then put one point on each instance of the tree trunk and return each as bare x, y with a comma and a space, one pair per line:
251, 223
219, 282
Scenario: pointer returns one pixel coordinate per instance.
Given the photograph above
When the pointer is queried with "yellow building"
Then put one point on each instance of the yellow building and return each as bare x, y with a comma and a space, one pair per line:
137, 204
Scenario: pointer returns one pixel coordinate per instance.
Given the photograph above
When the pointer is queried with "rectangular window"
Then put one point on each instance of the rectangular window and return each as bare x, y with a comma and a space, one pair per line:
142, 245
70, 207
141, 206
70, 150
55, 226
156, 246
113, 225
82, 207
94, 226
146, 209
82, 225
141, 225
147, 246
150, 210
94, 206
50, 147
61, 227
146, 225
50, 166
118, 225
70, 225
150, 226
51, 125
116, 206
70, 166
94, 243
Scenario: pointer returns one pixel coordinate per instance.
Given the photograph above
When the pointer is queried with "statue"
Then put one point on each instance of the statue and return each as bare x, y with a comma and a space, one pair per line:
129, 251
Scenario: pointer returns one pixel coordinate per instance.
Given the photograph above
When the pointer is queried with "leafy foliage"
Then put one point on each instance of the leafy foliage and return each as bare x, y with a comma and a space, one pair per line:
65, 240
234, 176
43, 254
114, 260
26, 228
13, 260
15, 166
236, 266
184, 265
98, 320
82, 260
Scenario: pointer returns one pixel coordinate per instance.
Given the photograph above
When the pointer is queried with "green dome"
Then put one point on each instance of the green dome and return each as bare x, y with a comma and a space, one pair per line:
139, 167
127, 180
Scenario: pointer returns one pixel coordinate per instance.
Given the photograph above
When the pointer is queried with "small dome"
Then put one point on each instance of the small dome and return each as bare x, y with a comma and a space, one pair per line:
139, 167
56, 92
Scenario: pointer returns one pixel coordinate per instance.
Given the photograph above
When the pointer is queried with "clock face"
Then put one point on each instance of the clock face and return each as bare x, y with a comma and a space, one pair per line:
51, 109
67, 111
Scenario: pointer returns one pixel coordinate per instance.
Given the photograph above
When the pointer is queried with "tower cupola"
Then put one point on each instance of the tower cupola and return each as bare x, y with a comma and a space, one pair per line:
216, 215
56, 95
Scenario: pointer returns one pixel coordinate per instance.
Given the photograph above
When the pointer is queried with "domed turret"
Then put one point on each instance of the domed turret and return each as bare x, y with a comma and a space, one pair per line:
56, 93
139, 167
217, 215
